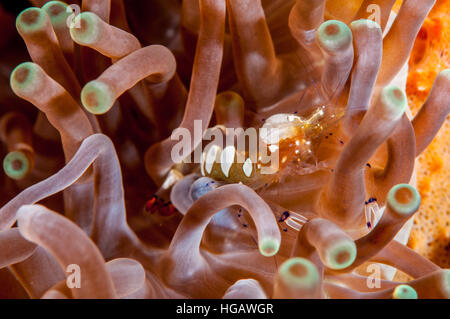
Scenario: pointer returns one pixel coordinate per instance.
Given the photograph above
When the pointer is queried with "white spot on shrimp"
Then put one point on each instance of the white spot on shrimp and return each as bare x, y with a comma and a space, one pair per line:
211, 157
247, 167
227, 159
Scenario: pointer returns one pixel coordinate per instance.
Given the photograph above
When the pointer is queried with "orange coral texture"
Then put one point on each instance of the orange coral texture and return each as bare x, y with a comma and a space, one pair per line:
431, 232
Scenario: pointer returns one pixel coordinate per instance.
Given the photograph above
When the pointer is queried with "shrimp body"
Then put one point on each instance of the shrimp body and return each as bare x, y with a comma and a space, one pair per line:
286, 141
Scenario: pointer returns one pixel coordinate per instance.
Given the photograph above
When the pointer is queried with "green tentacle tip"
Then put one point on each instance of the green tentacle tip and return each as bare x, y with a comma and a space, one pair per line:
446, 283
395, 99
404, 199
404, 292
341, 255
58, 12
16, 165
84, 28
97, 97
23, 77
229, 100
299, 273
334, 35
445, 73
30, 20
366, 23
269, 246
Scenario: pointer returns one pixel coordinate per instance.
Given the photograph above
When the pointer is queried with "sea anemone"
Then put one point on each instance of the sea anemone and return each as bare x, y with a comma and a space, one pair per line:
96, 205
